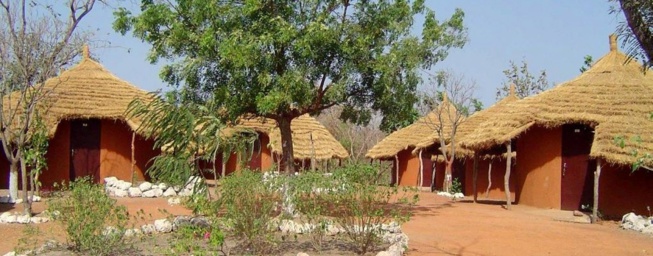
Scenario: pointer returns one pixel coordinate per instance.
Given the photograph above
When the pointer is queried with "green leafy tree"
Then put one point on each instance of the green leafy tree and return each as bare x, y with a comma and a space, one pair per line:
526, 83
587, 63
282, 59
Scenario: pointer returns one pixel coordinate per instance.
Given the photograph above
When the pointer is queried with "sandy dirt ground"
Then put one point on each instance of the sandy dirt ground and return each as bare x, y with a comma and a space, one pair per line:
443, 227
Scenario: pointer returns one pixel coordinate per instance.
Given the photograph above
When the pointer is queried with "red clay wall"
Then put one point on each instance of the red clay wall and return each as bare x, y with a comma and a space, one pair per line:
58, 157
497, 191
116, 154
538, 167
408, 168
621, 191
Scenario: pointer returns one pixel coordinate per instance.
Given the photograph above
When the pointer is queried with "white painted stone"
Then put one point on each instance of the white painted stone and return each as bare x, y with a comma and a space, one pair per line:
11, 253
458, 196
648, 230
4, 216
149, 193
123, 185
134, 192
163, 226
22, 219
145, 186
148, 229
18, 201
332, 230
302, 254
287, 226
158, 192
155, 186
109, 181
174, 200
163, 186
133, 232
170, 192
388, 253
120, 193
38, 220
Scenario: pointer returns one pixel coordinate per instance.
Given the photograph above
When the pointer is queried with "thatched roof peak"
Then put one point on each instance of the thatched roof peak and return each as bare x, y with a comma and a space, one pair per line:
86, 53
614, 96
512, 90
613, 43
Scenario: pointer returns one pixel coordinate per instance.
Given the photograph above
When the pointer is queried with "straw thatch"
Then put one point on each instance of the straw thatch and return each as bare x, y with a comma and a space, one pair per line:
614, 96
410, 136
467, 127
310, 138
86, 90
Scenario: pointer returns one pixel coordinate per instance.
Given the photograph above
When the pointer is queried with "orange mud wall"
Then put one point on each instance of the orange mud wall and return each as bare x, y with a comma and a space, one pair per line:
497, 191
622, 191
409, 169
115, 154
538, 168
261, 158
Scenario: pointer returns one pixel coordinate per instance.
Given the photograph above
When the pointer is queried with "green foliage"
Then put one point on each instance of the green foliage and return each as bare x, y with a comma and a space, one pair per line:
360, 205
34, 152
525, 83
635, 31
456, 186
642, 159
284, 59
249, 205
587, 63
197, 240
94, 224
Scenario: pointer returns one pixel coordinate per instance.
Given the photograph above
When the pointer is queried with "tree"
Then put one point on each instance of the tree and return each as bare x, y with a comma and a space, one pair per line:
451, 101
636, 32
525, 83
587, 63
37, 41
282, 59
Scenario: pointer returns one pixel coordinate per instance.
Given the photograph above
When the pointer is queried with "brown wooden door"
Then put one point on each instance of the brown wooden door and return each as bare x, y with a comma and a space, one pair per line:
576, 185
85, 149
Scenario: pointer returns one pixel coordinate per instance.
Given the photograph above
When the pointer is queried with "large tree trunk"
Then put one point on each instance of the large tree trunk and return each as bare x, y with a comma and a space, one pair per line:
489, 179
595, 206
637, 23
506, 178
27, 200
287, 151
13, 181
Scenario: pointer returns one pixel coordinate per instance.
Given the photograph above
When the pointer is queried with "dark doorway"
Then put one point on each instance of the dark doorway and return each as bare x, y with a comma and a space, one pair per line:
85, 149
577, 182
427, 171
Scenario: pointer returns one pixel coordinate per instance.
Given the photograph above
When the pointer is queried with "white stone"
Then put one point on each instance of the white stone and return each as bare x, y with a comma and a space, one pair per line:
177, 188
149, 193
302, 254
388, 253
18, 201
134, 192
123, 185
155, 186
163, 226
648, 230
458, 195
11, 253
397, 248
22, 219
185, 192
174, 200
120, 193
332, 230
108, 231
109, 181
163, 186
287, 226
169, 192
133, 232
145, 186
38, 220
4, 216
157, 192
4, 199
148, 229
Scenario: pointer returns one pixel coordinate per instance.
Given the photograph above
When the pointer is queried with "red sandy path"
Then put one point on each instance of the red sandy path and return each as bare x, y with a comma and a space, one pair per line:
441, 227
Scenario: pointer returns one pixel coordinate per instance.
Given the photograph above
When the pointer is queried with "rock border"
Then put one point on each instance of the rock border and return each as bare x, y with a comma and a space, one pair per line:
120, 188
639, 223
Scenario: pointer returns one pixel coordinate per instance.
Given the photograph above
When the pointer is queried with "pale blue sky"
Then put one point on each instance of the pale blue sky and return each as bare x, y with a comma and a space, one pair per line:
549, 35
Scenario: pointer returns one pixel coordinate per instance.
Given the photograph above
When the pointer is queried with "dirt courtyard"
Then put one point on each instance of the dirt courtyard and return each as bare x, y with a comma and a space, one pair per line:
443, 227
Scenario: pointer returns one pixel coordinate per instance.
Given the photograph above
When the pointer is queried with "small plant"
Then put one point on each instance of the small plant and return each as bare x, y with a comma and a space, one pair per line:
249, 205
94, 224
456, 186
311, 201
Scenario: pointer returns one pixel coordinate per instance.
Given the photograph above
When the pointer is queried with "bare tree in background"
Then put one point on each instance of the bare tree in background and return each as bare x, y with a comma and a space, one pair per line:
451, 100
357, 139
526, 84
36, 41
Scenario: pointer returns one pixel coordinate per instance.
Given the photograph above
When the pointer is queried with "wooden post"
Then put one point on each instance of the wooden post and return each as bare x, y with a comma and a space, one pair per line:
396, 170
595, 207
489, 179
310, 136
421, 170
433, 172
133, 158
506, 178
475, 176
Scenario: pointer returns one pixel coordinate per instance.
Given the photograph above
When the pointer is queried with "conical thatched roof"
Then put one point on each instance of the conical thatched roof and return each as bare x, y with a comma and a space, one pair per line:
470, 124
614, 96
413, 134
304, 129
86, 90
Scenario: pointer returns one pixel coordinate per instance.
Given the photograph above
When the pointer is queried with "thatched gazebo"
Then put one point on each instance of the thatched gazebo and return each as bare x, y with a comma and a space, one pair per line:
311, 141
568, 139
415, 167
84, 109
491, 159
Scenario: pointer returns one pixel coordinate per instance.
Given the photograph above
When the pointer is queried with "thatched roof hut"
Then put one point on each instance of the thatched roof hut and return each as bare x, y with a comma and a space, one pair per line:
410, 136
615, 97
467, 127
87, 90
310, 138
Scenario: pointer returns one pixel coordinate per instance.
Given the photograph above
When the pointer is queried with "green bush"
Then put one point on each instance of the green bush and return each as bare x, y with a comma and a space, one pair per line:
249, 205
94, 224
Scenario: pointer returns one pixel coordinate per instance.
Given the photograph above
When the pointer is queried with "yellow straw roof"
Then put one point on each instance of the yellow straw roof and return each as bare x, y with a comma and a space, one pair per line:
410, 136
308, 135
86, 90
614, 96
